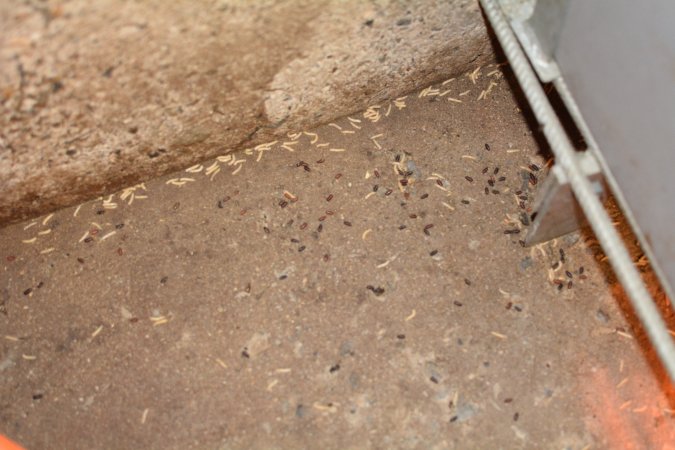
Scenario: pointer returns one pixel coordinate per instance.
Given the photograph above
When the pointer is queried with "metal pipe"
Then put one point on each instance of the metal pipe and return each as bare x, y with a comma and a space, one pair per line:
596, 214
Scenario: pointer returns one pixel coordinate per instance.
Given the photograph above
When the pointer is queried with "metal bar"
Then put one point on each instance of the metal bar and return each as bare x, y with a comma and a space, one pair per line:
598, 218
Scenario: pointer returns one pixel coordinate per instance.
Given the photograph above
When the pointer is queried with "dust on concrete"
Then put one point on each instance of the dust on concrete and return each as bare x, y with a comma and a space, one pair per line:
361, 285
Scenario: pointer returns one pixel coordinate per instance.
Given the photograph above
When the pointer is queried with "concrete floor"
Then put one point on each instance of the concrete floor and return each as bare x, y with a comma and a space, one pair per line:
305, 296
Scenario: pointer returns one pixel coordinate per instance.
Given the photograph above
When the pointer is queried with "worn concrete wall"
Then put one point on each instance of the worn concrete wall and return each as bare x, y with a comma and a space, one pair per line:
96, 95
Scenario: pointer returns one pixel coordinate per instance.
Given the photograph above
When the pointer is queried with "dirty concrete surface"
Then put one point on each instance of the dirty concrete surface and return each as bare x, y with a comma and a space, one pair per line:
359, 285
95, 96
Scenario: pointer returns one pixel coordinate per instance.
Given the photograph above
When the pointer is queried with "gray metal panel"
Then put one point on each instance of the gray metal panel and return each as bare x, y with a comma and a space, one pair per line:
547, 21
618, 59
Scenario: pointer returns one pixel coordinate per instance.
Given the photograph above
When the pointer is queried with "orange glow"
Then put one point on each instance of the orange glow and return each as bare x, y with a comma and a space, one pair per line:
629, 410
6, 444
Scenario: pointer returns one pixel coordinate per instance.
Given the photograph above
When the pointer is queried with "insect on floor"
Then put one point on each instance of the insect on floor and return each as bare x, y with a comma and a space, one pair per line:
361, 285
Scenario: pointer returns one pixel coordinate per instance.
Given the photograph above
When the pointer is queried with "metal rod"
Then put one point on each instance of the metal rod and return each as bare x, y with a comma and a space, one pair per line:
598, 218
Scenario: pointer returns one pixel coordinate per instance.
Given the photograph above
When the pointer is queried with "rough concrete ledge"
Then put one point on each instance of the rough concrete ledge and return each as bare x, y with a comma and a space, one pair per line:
95, 96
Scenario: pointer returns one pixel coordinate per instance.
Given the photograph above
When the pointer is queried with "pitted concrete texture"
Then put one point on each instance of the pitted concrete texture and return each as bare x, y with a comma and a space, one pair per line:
95, 96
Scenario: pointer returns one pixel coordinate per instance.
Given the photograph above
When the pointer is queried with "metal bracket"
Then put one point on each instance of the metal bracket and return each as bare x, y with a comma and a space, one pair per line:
537, 25
570, 161
556, 209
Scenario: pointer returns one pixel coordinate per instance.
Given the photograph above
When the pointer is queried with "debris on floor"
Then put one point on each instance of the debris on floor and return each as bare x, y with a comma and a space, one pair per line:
364, 284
